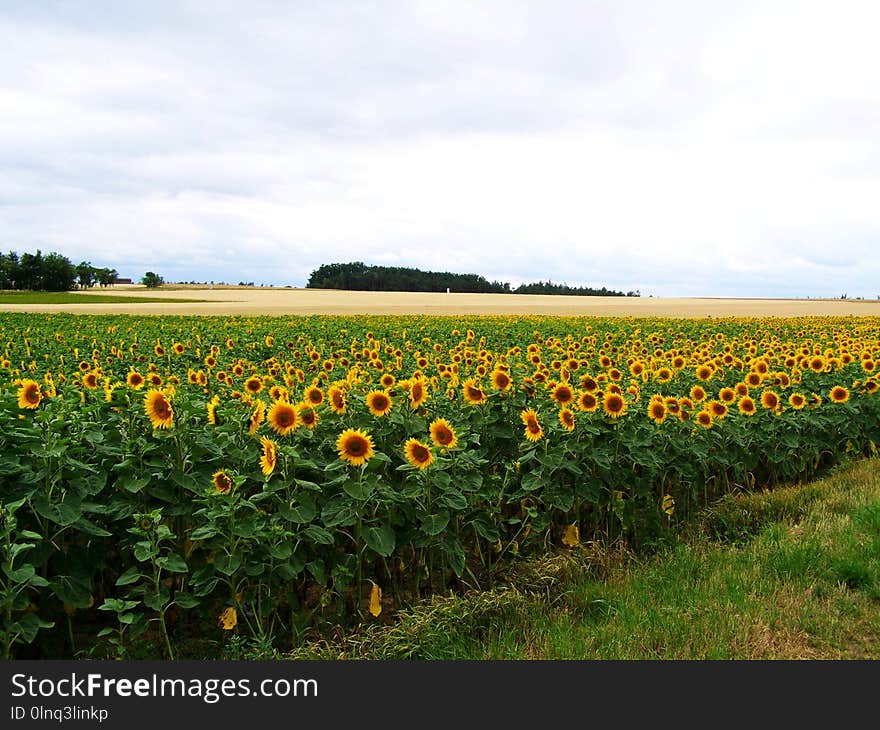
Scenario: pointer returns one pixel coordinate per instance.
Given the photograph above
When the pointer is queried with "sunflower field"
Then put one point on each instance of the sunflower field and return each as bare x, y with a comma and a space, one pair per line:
173, 479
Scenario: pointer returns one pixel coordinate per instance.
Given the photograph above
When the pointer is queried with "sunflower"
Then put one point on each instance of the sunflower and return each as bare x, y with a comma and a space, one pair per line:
753, 379
587, 402
473, 393
797, 401
727, 395
279, 392
746, 406
698, 395
769, 400
657, 411
379, 402
158, 409
839, 394
313, 395
387, 380
663, 375
704, 372
222, 482
418, 393
533, 430
741, 389
614, 405
704, 418
817, 364
29, 394
500, 380
159, 350
418, 454
269, 457
253, 385
90, 380
211, 407
562, 394
282, 417
134, 380
718, 409
308, 416
443, 434
337, 400
566, 418
178, 348
256, 417
354, 446
871, 386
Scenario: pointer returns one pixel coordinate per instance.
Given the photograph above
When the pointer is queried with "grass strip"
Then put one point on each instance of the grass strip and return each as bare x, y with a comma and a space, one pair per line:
70, 298
792, 573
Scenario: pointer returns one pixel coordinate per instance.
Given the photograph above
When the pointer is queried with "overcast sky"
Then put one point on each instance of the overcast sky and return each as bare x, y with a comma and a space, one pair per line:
678, 148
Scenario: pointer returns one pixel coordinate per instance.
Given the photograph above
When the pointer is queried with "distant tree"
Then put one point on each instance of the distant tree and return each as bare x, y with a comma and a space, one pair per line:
29, 271
57, 273
9, 270
86, 274
152, 280
106, 277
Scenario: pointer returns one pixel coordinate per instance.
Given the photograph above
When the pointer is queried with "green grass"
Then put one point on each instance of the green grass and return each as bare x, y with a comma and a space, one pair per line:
788, 574
48, 297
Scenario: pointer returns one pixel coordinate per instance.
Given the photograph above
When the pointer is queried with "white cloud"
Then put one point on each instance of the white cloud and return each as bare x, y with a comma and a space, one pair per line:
676, 148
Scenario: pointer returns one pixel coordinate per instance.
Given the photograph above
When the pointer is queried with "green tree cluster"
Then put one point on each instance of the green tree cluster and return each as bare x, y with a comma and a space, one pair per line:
361, 277
50, 272
151, 280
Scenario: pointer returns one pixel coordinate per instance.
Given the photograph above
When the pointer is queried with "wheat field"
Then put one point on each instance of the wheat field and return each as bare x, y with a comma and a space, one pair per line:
226, 300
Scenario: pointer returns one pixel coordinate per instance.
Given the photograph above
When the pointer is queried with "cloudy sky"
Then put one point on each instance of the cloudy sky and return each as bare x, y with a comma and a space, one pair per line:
680, 148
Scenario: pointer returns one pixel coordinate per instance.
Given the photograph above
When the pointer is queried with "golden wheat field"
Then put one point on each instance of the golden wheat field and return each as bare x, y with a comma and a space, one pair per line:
283, 301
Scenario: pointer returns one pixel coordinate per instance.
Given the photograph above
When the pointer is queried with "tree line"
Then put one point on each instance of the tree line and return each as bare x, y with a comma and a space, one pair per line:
51, 272
361, 277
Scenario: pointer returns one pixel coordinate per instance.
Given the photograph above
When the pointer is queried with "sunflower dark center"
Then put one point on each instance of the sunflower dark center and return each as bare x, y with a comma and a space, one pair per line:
420, 453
